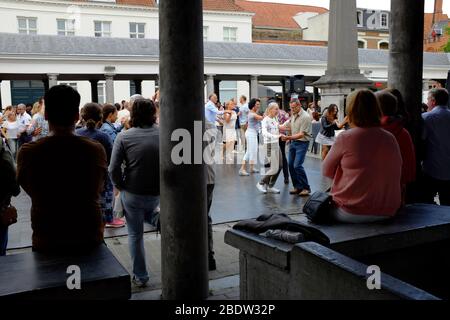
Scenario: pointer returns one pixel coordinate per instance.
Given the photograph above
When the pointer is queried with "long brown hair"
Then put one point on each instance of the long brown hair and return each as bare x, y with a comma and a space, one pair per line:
91, 114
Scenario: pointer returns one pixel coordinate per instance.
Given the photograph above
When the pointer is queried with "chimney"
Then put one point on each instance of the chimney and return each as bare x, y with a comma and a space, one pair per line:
438, 4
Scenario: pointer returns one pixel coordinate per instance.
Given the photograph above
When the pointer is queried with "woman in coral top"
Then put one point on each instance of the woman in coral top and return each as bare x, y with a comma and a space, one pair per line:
365, 164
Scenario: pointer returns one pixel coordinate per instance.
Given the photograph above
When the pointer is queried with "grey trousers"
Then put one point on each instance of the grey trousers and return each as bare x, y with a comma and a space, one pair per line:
273, 154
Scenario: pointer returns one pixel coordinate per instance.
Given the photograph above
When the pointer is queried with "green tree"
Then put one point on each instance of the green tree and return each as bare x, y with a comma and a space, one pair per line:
447, 46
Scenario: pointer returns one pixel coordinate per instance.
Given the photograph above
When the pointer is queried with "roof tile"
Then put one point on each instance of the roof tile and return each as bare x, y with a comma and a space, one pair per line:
276, 15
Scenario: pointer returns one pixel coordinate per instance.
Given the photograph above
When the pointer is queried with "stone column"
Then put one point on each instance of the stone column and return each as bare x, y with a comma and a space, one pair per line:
254, 87
343, 74
94, 90
52, 79
138, 86
406, 57
109, 88
46, 84
184, 250
210, 84
217, 88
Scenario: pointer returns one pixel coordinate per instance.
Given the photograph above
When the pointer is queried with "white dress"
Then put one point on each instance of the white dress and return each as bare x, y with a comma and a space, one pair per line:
229, 129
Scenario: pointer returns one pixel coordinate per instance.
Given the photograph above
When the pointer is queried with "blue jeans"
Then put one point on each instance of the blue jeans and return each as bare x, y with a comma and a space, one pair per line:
3, 240
137, 209
297, 154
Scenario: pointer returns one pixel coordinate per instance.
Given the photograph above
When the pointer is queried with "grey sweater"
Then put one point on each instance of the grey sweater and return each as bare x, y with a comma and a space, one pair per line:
134, 163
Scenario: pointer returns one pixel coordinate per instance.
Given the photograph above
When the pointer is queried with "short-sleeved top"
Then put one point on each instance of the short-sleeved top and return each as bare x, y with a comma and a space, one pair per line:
253, 123
301, 122
243, 118
24, 120
12, 129
64, 176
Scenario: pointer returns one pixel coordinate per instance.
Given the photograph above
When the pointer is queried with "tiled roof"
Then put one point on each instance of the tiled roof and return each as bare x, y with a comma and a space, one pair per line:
276, 15
221, 5
147, 3
212, 5
22, 44
293, 42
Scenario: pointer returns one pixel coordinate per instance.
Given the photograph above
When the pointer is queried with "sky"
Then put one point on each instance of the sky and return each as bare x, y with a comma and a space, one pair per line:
368, 4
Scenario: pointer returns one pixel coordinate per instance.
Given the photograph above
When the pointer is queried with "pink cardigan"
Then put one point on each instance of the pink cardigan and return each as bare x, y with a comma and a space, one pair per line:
366, 166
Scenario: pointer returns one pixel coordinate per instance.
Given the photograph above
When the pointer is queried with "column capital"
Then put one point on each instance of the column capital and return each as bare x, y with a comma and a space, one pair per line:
109, 76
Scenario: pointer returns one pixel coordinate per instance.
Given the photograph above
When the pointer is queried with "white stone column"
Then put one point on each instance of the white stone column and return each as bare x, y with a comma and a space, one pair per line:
109, 88
52, 79
343, 74
254, 87
210, 84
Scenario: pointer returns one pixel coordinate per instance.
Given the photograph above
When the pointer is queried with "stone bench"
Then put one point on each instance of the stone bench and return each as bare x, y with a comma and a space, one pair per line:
37, 276
412, 248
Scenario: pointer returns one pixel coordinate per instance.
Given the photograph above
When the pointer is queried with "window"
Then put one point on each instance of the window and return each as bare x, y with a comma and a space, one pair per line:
383, 45
27, 25
384, 21
228, 91
65, 27
229, 34
359, 18
70, 84
361, 44
102, 29
205, 33
101, 92
132, 88
137, 30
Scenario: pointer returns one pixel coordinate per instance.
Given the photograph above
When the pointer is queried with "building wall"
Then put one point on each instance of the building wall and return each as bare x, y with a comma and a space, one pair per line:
276, 34
317, 30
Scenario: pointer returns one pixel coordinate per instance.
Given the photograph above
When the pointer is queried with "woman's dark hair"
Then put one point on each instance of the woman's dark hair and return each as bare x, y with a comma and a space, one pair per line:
118, 106
332, 107
253, 103
316, 116
91, 114
143, 113
107, 110
388, 103
401, 108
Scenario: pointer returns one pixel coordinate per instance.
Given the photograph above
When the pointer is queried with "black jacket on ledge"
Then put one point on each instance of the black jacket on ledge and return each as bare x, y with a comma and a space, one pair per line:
282, 222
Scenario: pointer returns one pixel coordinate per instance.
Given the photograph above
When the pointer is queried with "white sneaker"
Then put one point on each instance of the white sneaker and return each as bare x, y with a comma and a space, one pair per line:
243, 173
255, 171
261, 187
273, 190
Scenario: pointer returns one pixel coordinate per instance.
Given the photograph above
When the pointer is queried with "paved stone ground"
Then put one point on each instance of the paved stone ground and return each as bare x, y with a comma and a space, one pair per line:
235, 198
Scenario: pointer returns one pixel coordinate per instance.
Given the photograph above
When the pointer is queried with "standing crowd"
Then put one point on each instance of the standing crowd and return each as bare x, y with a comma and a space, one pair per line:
82, 169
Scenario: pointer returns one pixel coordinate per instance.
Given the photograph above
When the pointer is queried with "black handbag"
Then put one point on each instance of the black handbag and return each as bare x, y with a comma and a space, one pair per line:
318, 208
